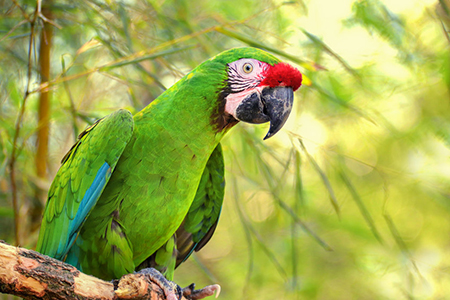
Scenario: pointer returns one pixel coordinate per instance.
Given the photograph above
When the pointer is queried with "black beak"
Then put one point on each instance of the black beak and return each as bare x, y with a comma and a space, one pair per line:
272, 104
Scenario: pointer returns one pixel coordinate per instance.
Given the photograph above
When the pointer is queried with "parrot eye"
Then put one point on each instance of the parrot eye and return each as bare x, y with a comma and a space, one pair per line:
247, 68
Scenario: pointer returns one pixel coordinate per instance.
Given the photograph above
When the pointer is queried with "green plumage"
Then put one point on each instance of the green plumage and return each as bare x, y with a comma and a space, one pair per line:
166, 187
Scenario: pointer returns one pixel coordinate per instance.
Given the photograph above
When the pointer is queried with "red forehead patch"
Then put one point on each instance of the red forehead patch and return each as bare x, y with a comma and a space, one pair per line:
282, 74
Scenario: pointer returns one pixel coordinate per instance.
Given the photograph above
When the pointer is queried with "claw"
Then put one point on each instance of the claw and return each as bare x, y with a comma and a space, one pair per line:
190, 293
171, 290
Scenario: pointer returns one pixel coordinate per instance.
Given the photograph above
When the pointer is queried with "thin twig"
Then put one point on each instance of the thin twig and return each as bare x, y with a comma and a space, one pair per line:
44, 18
14, 153
12, 29
73, 110
24, 14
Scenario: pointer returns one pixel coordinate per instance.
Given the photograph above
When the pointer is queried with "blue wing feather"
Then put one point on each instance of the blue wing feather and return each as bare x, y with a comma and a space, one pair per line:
87, 203
79, 183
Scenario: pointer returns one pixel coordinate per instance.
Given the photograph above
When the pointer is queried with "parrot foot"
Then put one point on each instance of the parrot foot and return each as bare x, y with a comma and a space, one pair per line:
172, 291
191, 293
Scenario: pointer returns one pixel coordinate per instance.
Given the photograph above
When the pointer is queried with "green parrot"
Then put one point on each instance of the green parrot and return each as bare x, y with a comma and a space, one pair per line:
145, 191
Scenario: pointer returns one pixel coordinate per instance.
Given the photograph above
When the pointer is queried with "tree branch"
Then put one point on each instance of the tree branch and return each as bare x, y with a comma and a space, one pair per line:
31, 275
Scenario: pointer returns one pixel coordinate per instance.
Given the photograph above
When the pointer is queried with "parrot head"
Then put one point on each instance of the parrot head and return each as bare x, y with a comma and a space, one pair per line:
258, 88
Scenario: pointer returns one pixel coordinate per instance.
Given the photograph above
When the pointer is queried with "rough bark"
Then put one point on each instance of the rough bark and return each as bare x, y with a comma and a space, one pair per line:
31, 275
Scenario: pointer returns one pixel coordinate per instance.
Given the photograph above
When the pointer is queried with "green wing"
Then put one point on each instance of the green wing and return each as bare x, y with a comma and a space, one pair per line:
203, 215
80, 181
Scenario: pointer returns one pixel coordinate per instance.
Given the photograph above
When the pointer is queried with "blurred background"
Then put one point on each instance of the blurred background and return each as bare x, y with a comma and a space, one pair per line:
350, 200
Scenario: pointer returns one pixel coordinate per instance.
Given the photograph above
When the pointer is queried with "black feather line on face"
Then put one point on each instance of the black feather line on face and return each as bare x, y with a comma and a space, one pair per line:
238, 83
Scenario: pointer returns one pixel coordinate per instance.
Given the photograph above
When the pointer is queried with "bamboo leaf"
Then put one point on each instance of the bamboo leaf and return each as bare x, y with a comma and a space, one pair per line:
91, 44
327, 49
299, 222
324, 178
144, 57
399, 240
361, 206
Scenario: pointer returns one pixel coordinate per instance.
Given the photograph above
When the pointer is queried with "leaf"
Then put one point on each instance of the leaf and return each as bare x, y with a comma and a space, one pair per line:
316, 40
362, 208
93, 43
324, 178
144, 57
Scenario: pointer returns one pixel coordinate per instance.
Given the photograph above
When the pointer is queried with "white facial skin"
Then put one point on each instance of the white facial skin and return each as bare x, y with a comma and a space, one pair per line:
244, 76
233, 100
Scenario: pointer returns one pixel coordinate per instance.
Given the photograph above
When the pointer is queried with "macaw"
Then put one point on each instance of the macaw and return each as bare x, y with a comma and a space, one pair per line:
145, 191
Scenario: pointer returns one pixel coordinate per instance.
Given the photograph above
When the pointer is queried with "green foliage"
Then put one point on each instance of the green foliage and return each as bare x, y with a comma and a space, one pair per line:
349, 201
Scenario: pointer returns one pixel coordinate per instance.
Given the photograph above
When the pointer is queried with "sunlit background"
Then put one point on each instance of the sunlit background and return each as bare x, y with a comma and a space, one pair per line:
350, 200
